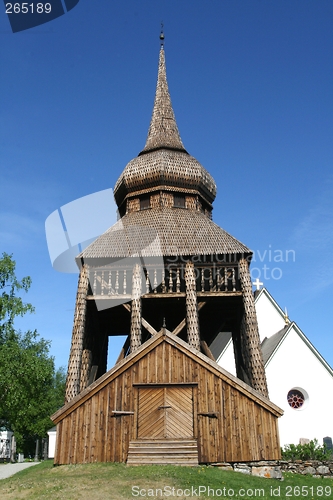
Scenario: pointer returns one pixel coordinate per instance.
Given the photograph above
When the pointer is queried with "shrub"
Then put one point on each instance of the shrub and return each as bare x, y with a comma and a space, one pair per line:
309, 451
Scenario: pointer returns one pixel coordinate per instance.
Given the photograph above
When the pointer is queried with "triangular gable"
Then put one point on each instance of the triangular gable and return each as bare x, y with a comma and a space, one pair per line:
281, 336
143, 351
265, 292
271, 317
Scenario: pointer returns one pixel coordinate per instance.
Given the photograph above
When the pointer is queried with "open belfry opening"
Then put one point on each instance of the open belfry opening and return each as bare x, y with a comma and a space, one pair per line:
171, 280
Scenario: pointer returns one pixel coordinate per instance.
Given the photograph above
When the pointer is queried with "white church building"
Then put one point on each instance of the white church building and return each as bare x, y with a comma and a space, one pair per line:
299, 379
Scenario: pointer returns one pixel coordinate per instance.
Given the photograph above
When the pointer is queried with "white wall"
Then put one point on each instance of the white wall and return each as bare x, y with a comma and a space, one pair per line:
5, 444
270, 317
295, 366
227, 359
52, 442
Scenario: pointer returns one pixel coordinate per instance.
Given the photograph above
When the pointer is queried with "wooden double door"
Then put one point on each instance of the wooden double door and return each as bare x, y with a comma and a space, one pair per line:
165, 412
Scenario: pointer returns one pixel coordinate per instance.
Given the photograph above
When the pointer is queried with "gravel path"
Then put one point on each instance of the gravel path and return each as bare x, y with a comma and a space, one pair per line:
8, 470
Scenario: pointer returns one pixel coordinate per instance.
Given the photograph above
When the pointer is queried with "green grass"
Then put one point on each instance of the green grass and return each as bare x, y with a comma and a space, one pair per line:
115, 482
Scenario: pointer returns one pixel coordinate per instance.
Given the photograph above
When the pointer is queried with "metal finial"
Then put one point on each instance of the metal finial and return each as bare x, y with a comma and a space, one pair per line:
164, 324
162, 34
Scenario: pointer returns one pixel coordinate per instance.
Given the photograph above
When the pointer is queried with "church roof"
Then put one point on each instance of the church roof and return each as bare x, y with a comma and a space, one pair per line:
269, 345
220, 342
179, 231
164, 162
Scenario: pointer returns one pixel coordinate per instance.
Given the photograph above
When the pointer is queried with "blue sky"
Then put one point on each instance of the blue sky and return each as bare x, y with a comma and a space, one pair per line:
251, 85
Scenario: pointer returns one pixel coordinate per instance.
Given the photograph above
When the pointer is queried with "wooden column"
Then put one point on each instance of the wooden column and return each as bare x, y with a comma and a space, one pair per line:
192, 317
249, 335
86, 364
75, 357
136, 309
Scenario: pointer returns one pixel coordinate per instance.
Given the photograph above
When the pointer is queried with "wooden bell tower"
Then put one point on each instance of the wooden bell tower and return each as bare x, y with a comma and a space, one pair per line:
164, 264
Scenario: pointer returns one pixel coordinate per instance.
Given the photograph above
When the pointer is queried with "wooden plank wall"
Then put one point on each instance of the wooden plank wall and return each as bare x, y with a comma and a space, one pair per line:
235, 428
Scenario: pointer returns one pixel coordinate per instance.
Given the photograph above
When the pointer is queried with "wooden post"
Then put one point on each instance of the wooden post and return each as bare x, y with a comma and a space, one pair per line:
192, 317
86, 363
75, 357
249, 334
136, 309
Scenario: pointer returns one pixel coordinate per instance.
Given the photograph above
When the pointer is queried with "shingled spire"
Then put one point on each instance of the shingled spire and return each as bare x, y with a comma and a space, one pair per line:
163, 131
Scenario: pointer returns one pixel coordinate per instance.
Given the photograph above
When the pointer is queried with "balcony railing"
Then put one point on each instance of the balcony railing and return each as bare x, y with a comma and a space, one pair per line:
210, 279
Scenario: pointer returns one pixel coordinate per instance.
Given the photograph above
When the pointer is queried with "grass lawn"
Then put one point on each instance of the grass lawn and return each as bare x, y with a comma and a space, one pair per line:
117, 482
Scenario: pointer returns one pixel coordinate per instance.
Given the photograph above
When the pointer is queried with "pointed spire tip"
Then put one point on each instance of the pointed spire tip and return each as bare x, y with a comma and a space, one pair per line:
163, 131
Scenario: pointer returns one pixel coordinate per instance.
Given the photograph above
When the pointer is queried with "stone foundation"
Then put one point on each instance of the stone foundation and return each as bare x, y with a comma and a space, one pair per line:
314, 467
274, 469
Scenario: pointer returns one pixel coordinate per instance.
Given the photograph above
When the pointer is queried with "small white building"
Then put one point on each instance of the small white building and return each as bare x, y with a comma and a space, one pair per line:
52, 433
299, 379
5, 444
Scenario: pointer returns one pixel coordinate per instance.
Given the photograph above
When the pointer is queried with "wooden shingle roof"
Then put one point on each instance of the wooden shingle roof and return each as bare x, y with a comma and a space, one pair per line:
179, 231
163, 130
166, 169
164, 162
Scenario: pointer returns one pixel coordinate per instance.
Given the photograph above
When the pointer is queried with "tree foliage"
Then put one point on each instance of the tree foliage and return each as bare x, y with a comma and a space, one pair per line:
30, 388
11, 305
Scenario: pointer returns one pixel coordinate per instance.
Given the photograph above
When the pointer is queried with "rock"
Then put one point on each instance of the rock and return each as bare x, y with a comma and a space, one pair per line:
309, 470
223, 466
272, 472
243, 468
323, 470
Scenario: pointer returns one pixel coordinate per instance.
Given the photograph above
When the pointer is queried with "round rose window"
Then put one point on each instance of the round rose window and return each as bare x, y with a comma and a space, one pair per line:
296, 398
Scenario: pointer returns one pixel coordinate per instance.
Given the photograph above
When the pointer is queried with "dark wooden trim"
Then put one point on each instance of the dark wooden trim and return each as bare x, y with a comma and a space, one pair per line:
163, 384
210, 414
165, 295
120, 413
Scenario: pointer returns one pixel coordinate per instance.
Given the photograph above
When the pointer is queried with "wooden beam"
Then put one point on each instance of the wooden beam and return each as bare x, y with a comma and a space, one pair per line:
124, 349
180, 327
166, 295
148, 327
182, 324
92, 375
206, 350
144, 322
